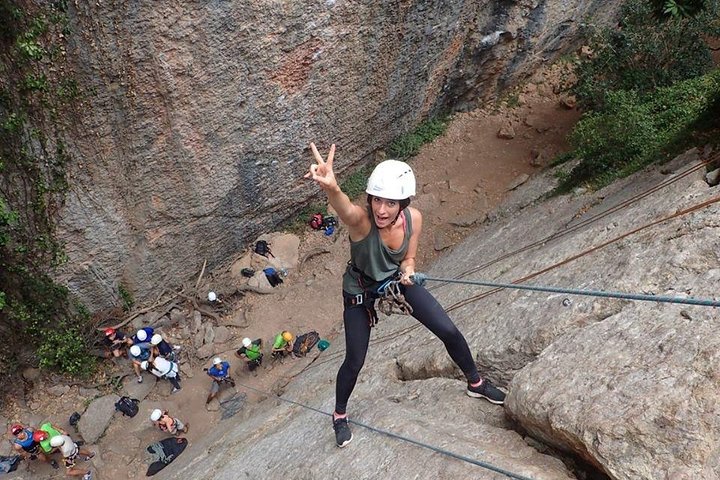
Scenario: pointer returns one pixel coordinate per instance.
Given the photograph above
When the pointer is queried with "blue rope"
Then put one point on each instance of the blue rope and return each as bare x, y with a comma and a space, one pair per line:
421, 278
479, 463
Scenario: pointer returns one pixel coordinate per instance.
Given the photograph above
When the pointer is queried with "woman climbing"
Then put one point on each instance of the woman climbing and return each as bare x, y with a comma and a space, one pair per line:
383, 243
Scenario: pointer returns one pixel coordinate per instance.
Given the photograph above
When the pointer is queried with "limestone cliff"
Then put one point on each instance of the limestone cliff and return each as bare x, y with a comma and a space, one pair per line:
197, 116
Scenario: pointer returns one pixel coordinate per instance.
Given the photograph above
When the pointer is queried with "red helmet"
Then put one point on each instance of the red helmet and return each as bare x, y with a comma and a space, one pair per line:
16, 429
40, 436
109, 331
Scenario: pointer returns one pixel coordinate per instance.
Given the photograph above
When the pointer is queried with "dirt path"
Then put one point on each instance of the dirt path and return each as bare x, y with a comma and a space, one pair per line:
461, 177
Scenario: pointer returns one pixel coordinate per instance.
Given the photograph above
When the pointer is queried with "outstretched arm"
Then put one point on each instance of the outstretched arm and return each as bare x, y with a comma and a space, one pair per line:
407, 266
352, 215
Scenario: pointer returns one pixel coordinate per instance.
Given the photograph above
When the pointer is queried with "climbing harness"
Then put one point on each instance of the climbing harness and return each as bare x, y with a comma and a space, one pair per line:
420, 279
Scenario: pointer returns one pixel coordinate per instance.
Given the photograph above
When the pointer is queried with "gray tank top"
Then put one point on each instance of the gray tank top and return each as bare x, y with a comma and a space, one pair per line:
374, 259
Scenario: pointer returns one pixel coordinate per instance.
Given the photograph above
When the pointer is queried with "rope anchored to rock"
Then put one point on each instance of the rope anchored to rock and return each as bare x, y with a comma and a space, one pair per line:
421, 278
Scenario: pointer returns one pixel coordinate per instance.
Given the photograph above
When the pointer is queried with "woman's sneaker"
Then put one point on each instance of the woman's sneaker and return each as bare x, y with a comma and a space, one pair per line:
488, 391
343, 435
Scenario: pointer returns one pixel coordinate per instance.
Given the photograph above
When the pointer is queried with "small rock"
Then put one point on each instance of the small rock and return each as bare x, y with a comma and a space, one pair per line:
585, 52
209, 336
519, 180
205, 351
177, 317
88, 392
713, 178
569, 102
58, 390
198, 339
31, 374
197, 321
469, 219
442, 241
222, 334
506, 132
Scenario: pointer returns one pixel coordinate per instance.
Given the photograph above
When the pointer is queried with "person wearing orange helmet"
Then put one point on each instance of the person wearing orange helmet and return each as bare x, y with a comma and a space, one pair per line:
384, 236
282, 345
116, 343
26, 443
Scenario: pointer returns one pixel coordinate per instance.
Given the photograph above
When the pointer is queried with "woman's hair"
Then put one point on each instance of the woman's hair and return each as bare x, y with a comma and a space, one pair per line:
403, 203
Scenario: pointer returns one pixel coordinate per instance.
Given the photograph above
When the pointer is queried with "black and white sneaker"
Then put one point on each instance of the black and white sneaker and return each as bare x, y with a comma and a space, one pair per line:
343, 435
488, 391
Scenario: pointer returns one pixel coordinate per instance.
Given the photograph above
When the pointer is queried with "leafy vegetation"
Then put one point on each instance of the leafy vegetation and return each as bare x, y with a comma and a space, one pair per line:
647, 87
408, 145
34, 310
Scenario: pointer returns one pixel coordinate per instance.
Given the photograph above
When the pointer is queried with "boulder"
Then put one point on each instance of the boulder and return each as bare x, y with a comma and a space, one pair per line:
133, 389
97, 417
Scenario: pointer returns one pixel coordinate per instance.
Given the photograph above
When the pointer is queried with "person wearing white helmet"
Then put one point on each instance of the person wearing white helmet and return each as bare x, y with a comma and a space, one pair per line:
140, 352
161, 348
163, 368
166, 423
251, 352
384, 237
220, 374
71, 453
143, 335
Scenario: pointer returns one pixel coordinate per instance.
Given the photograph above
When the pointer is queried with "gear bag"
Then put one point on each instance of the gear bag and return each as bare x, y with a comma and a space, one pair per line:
128, 406
316, 221
247, 272
263, 248
304, 343
9, 463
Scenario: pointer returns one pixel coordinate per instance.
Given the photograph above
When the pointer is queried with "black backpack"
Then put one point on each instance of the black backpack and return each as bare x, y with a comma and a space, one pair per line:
304, 343
263, 248
128, 406
247, 272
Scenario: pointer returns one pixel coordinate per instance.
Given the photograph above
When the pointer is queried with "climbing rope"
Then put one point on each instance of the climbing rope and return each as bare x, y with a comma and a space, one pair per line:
591, 219
421, 278
439, 450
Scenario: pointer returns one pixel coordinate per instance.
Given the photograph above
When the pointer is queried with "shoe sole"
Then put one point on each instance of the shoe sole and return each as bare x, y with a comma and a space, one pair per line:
479, 395
346, 442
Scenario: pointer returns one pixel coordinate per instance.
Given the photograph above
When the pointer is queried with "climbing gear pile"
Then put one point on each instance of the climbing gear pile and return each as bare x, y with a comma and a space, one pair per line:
392, 300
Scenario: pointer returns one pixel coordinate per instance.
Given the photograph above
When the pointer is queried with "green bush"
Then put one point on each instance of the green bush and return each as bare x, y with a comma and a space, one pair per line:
63, 349
408, 145
643, 53
634, 130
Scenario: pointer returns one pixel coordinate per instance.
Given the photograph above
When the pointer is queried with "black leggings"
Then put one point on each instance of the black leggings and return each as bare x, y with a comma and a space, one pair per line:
425, 309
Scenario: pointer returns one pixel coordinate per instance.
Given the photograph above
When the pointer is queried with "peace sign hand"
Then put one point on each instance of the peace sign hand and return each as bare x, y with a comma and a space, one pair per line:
322, 172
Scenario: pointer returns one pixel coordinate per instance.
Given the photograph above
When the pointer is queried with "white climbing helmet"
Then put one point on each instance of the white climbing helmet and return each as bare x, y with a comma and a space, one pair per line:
156, 339
217, 361
141, 335
144, 364
135, 351
392, 179
155, 415
212, 296
247, 342
57, 441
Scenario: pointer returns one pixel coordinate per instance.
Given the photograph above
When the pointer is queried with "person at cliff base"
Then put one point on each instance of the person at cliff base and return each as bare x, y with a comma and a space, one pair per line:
220, 373
384, 236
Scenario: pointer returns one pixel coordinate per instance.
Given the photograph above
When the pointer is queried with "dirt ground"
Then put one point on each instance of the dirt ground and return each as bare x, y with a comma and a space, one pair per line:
461, 177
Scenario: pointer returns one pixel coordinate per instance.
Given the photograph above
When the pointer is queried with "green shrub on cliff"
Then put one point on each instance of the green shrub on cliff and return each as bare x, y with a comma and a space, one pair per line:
646, 88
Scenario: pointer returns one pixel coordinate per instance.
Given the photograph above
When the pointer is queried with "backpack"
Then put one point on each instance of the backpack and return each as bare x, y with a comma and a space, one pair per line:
273, 276
263, 248
304, 343
316, 221
9, 463
329, 221
74, 419
247, 272
128, 406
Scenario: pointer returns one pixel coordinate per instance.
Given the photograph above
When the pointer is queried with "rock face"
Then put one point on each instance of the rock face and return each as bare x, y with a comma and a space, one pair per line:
629, 386
196, 117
